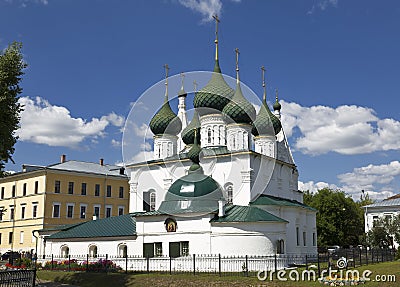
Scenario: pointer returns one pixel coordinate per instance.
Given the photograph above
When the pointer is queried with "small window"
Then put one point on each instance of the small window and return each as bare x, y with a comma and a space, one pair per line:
209, 135
34, 211
280, 248
1, 213
297, 236
83, 212
185, 248
108, 190
24, 189
97, 190
22, 212
108, 211
56, 210
21, 237
96, 211
121, 192
0, 238
2, 192
158, 249
93, 251
12, 213
121, 210
314, 239
70, 187
36, 187
152, 201
304, 238
10, 237
57, 186
13, 191
70, 211
83, 189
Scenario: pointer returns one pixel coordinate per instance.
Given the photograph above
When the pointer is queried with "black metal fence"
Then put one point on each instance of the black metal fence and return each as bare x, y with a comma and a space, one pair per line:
17, 278
217, 264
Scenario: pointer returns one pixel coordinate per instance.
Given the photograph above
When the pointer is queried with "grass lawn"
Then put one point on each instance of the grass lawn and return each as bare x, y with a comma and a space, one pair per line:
182, 280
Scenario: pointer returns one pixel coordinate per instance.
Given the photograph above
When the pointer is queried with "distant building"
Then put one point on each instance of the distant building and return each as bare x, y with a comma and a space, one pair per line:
383, 209
65, 193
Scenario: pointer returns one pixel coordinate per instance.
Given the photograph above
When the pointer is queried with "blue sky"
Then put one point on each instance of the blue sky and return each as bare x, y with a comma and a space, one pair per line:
335, 63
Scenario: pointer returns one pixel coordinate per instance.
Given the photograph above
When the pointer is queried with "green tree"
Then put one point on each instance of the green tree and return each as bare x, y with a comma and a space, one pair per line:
340, 220
385, 231
11, 71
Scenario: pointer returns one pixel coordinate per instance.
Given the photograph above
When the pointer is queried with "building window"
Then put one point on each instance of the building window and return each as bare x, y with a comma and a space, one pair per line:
229, 192
70, 187
12, 213
158, 249
83, 189
70, 210
0, 238
96, 211
21, 237
152, 201
34, 211
64, 251
297, 236
280, 246
108, 211
121, 192
185, 248
2, 192
24, 189
121, 210
97, 190
304, 238
22, 212
122, 250
93, 251
10, 237
57, 186
314, 239
2, 212
13, 191
56, 210
209, 135
36, 187
83, 212
108, 190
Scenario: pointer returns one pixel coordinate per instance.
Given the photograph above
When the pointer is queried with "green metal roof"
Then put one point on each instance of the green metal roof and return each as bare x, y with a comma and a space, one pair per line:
266, 122
215, 95
264, 199
239, 109
123, 225
236, 213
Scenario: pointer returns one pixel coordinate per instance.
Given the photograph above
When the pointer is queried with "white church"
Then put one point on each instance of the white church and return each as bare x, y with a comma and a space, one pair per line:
223, 183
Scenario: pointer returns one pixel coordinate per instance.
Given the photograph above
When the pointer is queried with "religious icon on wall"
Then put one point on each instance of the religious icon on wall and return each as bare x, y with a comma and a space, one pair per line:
170, 225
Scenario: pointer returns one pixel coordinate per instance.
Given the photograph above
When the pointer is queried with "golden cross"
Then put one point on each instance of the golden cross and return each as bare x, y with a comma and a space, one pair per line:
216, 23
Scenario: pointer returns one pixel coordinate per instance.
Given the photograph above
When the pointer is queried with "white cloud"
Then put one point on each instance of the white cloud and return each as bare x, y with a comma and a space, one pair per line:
345, 129
142, 131
313, 187
114, 119
115, 143
323, 5
24, 3
44, 123
207, 8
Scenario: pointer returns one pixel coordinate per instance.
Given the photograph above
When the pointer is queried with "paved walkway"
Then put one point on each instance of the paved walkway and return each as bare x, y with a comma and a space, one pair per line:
53, 284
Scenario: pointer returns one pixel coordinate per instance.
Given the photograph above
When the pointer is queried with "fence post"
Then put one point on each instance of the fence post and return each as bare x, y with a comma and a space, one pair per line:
359, 250
247, 266
170, 265
105, 267
126, 264
52, 259
219, 264
319, 267
354, 260
194, 264
275, 263
366, 255
148, 264
87, 262
329, 262
306, 262
69, 262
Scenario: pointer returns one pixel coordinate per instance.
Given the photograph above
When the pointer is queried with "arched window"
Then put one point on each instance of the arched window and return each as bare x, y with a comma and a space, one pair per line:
122, 250
93, 251
229, 192
64, 251
152, 201
280, 246
209, 135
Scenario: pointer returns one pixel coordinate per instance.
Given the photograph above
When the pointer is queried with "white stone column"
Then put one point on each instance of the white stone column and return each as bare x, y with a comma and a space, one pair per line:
165, 146
238, 137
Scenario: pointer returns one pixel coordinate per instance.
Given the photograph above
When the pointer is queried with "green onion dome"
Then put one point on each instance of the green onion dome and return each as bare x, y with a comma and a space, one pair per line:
165, 121
188, 132
215, 95
277, 106
266, 122
239, 109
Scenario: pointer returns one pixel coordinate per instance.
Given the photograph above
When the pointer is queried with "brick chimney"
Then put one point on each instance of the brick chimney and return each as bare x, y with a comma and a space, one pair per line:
63, 158
101, 161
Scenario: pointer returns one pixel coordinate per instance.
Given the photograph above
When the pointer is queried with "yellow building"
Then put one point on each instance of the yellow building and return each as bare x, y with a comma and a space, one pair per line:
65, 193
